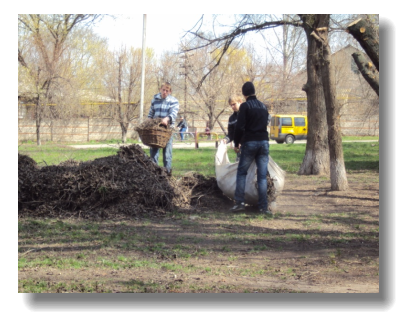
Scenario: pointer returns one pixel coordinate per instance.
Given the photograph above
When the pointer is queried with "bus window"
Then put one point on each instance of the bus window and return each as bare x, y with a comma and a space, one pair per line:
300, 122
286, 122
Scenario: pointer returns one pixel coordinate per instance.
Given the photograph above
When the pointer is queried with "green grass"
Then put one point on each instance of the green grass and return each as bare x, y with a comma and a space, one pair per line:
357, 156
111, 246
53, 154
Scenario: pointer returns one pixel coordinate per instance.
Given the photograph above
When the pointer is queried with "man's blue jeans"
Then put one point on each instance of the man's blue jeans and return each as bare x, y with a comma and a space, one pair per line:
250, 151
182, 132
167, 155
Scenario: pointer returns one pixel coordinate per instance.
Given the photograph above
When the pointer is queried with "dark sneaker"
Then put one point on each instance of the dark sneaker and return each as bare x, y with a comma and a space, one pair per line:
265, 211
238, 208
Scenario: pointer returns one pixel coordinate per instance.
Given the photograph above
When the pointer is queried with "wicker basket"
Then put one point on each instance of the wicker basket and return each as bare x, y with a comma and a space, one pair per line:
156, 137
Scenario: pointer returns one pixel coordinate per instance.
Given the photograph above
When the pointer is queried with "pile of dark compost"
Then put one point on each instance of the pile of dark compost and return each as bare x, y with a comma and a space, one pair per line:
128, 184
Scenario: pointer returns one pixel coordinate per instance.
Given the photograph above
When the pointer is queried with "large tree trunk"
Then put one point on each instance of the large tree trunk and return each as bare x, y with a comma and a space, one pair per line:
316, 159
337, 166
365, 35
367, 71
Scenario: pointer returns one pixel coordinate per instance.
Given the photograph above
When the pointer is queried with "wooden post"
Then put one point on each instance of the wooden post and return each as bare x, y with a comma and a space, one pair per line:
196, 138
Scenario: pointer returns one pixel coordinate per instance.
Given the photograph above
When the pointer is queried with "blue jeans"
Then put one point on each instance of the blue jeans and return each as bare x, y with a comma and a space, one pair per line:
181, 132
167, 155
250, 151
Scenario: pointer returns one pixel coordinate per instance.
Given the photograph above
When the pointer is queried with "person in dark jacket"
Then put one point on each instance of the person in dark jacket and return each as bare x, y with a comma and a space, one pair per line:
234, 101
183, 126
252, 139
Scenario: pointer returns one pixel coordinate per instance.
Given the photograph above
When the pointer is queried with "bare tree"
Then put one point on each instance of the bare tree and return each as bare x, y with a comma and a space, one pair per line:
287, 47
41, 49
122, 80
316, 160
211, 97
319, 88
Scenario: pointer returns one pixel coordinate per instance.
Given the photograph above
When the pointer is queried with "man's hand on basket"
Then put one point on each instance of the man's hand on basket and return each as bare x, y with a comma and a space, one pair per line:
165, 121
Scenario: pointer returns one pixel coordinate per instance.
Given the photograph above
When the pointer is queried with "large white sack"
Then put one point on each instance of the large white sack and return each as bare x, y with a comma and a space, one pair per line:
226, 174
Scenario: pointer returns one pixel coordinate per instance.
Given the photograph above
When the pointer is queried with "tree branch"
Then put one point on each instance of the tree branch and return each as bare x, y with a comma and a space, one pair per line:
367, 38
367, 70
20, 59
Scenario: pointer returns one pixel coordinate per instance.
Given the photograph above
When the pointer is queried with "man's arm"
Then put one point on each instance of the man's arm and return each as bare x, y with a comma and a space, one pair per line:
230, 132
151, 111
240, 125
173, 111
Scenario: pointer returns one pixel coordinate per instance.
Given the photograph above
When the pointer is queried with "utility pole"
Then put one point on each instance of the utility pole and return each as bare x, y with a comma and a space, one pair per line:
143, 67
185, 65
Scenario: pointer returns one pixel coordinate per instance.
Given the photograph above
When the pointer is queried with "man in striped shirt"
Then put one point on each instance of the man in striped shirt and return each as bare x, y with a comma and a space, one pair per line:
164, 106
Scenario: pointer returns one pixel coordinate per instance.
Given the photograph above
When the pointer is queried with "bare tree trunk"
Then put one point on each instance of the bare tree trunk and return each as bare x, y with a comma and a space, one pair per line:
367, 71
285, 59
366, 36
38, 119
316, 159
124, 126
120, 104
337, 165
210, 121
38, 122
